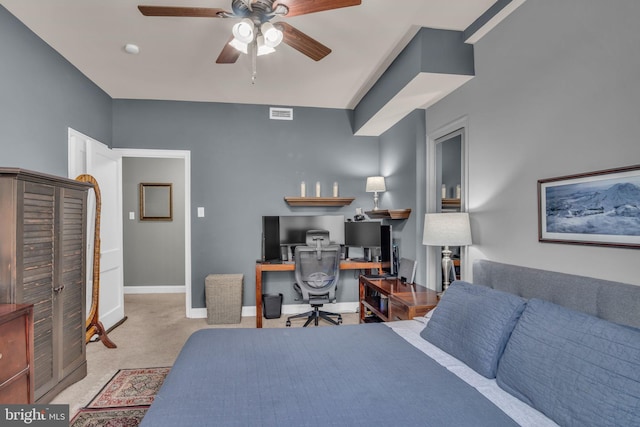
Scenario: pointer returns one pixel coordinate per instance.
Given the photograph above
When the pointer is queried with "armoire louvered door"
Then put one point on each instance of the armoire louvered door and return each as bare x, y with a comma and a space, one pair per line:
38, 246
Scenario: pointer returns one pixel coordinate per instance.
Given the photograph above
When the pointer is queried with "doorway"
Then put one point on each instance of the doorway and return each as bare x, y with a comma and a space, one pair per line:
163, 158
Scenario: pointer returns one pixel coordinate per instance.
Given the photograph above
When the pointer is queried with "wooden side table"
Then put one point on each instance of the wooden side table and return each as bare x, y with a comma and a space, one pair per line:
390, 299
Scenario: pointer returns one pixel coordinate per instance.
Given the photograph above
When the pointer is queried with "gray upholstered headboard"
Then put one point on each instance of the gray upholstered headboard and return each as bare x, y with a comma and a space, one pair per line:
613, 301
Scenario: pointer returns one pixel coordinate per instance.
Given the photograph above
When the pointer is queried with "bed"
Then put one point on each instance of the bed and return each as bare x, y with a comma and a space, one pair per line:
399, 374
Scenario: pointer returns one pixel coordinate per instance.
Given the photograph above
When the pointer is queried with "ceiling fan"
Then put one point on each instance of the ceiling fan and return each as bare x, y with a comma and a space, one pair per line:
255, 32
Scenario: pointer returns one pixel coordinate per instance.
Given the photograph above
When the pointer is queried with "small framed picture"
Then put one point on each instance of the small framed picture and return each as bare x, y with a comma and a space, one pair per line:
156, 202
597, 208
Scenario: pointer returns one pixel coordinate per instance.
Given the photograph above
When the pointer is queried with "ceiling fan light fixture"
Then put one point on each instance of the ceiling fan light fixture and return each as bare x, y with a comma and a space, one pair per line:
263, 48
238, 45
272, 35
243, 31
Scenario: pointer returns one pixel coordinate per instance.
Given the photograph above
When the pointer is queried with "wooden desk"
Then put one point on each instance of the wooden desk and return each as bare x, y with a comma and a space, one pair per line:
289, 266
405, 301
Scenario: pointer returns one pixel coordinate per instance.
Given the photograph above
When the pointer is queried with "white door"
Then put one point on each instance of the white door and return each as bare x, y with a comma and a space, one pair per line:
86, 155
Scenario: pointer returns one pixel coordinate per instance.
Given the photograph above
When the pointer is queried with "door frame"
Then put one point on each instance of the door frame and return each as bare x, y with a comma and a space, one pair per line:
184, 155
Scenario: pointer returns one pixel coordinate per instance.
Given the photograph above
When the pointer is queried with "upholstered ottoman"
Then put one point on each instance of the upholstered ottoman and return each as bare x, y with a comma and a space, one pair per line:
223, 294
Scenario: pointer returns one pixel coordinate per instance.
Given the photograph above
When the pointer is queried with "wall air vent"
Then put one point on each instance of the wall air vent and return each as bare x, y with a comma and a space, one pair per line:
277, 113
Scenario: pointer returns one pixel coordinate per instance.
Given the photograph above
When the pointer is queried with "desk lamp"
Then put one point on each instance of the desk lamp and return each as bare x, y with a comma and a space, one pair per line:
446, 229
374, 185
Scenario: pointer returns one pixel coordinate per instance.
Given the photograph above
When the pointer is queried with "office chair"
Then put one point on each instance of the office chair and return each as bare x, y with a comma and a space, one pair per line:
317, 267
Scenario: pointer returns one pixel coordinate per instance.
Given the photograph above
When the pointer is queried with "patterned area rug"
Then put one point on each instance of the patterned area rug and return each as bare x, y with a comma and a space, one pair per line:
123, 417
124, 400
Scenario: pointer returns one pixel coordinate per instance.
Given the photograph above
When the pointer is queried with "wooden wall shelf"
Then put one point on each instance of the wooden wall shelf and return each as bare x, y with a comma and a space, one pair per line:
451, 203
389, 214
319, 201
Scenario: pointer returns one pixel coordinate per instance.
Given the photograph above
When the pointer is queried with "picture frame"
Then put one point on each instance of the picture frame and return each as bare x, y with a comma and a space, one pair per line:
156, 201
600, 208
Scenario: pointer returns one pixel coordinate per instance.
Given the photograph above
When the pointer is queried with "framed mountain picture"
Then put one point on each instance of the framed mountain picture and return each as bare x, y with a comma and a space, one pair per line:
596, 208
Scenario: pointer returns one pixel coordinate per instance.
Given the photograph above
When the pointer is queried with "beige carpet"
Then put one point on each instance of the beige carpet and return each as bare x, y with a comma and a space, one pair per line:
155, 331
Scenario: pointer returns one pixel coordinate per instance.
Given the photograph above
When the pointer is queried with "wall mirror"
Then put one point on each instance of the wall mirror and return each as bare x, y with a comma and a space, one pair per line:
156, 202
446, 192
449, 186
449, 172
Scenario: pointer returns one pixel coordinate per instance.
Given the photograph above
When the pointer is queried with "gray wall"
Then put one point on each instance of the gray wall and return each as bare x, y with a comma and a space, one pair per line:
402, 161
41, 95
555, 93
153, 250
242, 166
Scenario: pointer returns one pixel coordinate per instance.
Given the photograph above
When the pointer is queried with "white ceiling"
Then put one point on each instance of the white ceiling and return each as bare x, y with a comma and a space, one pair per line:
177, 55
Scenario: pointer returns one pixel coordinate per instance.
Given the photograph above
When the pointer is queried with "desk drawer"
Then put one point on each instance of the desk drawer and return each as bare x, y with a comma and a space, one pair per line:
398, 311
13, 348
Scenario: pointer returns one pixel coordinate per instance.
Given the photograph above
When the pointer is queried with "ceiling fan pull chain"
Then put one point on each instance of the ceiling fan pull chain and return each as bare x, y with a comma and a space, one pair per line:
254, 62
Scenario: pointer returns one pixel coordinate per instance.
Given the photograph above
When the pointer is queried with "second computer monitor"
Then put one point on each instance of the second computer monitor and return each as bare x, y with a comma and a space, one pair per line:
364, 234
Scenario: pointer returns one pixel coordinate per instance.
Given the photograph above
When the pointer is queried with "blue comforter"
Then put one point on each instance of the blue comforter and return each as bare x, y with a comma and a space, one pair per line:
359, 375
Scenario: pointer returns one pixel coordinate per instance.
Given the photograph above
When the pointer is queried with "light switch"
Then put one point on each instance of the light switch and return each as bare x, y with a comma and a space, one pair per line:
132, 215
200, 212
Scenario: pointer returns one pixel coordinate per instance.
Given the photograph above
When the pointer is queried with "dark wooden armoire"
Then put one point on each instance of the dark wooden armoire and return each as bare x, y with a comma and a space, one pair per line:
43, 227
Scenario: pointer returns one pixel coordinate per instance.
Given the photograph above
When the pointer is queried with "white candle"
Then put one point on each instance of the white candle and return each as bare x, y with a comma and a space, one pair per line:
318, 189
303, 189
444, 191
335, 189
458, 191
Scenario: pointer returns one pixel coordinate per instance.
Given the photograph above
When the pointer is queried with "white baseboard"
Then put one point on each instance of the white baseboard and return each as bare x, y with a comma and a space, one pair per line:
179, 289
250, 311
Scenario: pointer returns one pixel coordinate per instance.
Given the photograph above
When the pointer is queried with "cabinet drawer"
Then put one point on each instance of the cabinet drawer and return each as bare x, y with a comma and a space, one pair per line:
13, 348
16, 392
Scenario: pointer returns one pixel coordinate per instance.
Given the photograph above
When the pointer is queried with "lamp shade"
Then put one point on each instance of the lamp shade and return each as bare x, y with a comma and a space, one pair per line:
272, 35
243, 31
375, 184
237, 44
447, 229
263, 48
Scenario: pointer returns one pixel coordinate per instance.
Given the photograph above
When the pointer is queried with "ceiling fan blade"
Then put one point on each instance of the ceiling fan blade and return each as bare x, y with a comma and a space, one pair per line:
302, 42
229, 54
302, 7
189, 12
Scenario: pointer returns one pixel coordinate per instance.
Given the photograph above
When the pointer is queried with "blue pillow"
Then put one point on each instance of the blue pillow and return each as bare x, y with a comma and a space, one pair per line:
473, 323
575, 368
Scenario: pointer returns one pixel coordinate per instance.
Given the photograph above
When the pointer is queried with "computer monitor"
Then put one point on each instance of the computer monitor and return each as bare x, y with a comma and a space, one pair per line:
387, 255
364, 234
293, 228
